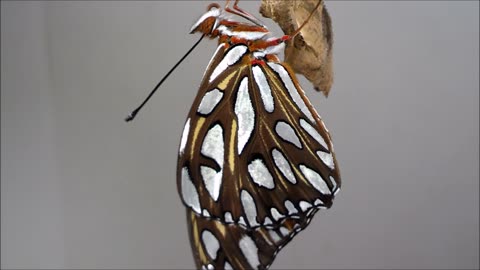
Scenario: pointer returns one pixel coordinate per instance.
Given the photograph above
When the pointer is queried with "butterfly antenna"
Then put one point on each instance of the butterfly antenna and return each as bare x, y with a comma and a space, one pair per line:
132, 115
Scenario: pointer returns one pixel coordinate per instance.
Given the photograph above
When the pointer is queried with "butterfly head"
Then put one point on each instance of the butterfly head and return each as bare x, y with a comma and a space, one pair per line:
208, 21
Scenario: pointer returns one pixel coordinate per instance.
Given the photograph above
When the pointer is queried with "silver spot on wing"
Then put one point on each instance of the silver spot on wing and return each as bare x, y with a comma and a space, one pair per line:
305, 205
290, 207
241, 221
260, 174
183, 141
275, 214
209, 101
230, 58
228, 217
334, 183
212, 180
265, 91
189, 192
284, 231
274, 235
318, 202
313, 132
267, 221
283, 165
250, 250
286, 132
211, 244
315, 180
327, 158
249, 207
285, 77
212, 146
227, 266
245, 114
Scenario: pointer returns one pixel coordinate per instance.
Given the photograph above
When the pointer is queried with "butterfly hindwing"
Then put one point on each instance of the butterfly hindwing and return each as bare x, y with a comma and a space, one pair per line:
217, 245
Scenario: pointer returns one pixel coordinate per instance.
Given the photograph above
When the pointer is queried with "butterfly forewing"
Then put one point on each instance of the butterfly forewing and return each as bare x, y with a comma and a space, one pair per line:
254, 152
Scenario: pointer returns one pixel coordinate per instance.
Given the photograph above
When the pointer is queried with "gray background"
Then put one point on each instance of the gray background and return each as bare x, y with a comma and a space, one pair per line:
81, 188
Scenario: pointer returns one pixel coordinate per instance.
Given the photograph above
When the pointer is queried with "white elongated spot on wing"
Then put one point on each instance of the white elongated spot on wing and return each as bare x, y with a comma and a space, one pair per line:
189, 192
290, 207
285, 77
249, 250
213, 145
227, 266
249, 35
241, 221
230, 58
282, 164
318, 202
183, 141
315, 180
260, 174
313, 132
305, 205
267, 221
211, 244
205, 213
249, 207
334, 184
275, 214
284, 231
274, 235
245, 114
209, 101
212, 180
286, 132
210, 267
228, 217
265, 91
327, 159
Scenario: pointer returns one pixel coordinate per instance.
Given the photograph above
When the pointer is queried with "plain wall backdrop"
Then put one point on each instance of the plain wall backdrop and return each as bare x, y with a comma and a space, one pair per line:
81, 188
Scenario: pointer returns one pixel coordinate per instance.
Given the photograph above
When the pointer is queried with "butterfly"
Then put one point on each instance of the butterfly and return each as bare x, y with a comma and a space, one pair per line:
255, 160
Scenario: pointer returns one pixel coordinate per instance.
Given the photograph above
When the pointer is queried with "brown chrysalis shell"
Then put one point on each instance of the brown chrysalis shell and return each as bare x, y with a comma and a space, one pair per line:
310, 52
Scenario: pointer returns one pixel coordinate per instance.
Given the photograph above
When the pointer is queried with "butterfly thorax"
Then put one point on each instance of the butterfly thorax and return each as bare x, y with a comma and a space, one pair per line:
216, 24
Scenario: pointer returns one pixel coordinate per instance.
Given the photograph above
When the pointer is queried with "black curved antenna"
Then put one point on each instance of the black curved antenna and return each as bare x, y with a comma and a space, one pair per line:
132, 115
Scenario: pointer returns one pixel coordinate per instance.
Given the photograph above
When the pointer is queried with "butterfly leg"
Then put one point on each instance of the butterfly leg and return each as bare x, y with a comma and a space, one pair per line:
240, 12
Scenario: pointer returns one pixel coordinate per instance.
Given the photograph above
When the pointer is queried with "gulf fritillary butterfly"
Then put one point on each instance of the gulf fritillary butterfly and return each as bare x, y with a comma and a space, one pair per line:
256, 161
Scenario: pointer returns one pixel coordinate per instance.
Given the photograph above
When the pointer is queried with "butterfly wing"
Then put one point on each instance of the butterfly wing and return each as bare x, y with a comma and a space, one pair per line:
254, 152
217, 245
